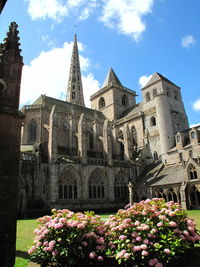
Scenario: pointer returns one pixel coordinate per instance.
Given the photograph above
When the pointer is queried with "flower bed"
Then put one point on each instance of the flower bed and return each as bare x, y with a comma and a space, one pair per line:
150, 233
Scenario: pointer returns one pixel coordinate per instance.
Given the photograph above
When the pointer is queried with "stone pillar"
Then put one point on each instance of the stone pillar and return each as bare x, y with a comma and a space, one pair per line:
82, 139
127, 150
183, 195
130, 189
107, 142
53, 153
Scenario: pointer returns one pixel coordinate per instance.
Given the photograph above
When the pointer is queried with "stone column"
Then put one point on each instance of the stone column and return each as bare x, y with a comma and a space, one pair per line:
53, 153
107, 142
127, 150
183, 195
82, 139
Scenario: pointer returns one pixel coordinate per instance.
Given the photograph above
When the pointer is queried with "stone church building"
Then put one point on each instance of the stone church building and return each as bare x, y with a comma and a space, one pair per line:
83, 158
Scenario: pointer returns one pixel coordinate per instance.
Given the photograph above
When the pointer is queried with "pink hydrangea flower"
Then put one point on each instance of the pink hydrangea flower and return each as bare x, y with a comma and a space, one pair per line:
92, 255
100, 258
145, 253
122, 237
159, 264
167, 251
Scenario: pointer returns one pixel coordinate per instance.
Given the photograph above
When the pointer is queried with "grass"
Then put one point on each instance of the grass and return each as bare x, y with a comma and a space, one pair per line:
25, 236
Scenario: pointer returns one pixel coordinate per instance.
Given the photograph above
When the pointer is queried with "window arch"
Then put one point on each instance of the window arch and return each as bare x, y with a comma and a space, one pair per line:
172, 195
154, 92
175, 95
68, 185
32, 131
134, 136
97, 185
155, 155
194, 196
192, 172
124, 100
120, 186
101, 103
148, 97
152, 121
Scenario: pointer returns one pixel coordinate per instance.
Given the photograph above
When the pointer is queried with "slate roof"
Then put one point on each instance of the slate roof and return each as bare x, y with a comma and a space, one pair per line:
132, 110
44, 100
156, 77
111, 78
160, 175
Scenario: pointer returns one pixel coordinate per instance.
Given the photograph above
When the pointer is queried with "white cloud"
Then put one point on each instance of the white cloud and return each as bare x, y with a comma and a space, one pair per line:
48, 74
126, 15
144, 79
188, 41
196, 105
54, 9
58, 9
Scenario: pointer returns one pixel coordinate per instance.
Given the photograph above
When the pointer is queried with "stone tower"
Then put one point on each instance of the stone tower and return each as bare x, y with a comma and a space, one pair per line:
113, 98
164, 97
11, 63
75, 88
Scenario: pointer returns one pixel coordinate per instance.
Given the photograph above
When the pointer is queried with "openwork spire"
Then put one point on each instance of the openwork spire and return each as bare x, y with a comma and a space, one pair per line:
75, 88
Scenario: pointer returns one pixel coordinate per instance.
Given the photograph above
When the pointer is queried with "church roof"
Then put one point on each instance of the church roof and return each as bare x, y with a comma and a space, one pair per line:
132, 110
111, 78
68, 107
159, 175
157, 77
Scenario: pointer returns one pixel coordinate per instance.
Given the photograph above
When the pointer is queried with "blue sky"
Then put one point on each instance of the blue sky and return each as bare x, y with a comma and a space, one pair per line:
134, 37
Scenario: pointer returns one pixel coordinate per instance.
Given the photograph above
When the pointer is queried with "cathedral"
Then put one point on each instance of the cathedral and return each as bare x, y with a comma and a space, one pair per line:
83, 158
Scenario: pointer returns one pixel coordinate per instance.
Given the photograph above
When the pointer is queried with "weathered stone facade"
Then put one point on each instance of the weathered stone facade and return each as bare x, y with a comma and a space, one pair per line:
80, 158
11, 64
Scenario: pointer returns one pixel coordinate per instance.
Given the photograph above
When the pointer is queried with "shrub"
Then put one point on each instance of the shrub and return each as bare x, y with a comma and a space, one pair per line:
68, 238
150, 233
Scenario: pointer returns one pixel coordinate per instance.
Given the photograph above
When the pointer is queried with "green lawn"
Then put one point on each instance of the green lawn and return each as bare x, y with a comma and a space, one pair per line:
25, 236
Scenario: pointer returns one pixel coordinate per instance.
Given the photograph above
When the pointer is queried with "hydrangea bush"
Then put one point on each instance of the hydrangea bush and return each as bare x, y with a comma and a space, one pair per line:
67, 239
149, 233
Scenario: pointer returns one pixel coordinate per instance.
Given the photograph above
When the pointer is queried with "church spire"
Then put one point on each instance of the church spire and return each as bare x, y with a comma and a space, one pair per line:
75, 89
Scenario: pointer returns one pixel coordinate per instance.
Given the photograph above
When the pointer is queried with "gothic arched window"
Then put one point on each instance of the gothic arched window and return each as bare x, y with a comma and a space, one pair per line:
152, 121
148, 97
101, 103
67, 188
121, 145
120, 186
155, 155
96, 185
134, 136
192, 172
32, 131
125, 100
154, 92
194, 196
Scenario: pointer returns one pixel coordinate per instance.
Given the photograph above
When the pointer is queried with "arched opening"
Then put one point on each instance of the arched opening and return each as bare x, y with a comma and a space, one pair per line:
120, 186
32, 131
192, 172
154, 92
194, 196
124, 100
67, 187
134, 136
148, 97
97, 185
101, 103
155, 156
152, 121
